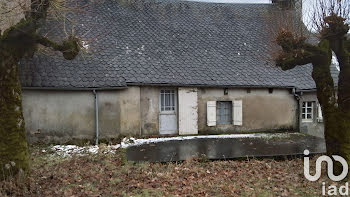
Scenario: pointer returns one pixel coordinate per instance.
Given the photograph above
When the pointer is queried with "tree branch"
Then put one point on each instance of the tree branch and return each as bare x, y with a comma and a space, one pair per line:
69, 47
295, 52
39, 9
289, 60
288, 41
334, 27
48, 43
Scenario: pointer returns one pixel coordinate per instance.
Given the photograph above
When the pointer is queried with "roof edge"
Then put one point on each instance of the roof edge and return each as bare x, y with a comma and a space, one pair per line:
74, 89
156, 84
199, 85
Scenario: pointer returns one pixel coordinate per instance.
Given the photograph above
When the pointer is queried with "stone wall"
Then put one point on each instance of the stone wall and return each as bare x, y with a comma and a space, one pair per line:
262, 111
150, 110
61, 116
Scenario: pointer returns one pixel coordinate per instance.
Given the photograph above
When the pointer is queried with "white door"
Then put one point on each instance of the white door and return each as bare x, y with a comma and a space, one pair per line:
188, 111
167, 112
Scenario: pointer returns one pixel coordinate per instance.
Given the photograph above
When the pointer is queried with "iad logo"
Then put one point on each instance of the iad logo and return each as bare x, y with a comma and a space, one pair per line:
329, 167
332, 189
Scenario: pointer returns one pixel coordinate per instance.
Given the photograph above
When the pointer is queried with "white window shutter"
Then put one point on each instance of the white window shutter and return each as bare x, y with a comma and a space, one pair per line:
319, 113
211, 113
237, 112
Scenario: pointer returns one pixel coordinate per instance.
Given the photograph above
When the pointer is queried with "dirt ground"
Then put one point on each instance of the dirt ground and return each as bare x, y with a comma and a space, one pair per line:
112, 175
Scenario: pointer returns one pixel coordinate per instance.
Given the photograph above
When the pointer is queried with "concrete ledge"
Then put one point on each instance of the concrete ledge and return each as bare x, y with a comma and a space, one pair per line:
223, 146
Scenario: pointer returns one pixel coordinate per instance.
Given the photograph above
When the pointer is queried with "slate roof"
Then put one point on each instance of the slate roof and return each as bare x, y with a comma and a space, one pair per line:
155, 42
303, 80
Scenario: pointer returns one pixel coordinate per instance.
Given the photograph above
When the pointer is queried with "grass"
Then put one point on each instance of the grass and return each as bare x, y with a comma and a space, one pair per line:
111, 175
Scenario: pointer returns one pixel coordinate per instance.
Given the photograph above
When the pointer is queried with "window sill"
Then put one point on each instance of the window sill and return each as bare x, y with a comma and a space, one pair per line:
224, 124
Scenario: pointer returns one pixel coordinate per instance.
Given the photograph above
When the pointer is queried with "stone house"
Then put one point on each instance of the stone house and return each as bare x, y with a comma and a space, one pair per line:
157, 67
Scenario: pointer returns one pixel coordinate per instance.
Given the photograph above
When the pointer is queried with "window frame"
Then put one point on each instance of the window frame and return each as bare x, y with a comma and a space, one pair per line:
172, 107
229, 119
304, 115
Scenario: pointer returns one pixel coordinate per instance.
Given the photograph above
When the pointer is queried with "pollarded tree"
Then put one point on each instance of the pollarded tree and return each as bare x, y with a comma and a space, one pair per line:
331, 20
18, 41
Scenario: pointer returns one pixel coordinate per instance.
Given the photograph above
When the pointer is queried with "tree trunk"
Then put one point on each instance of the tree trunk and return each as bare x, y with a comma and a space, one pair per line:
335, 107
337, 129
340, 49
326, 96
336, 124
17, 42
13, 144
342, 120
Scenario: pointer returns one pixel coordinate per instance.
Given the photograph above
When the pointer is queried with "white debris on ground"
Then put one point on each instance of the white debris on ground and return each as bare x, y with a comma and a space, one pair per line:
67, 150
127, 142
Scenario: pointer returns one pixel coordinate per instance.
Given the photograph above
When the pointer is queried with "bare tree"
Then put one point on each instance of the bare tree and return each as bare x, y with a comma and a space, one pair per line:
20, 38
330, 21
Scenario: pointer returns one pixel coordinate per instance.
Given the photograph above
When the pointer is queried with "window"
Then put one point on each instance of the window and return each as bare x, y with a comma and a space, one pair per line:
307, 111
224, 112
221, 112
167, 98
